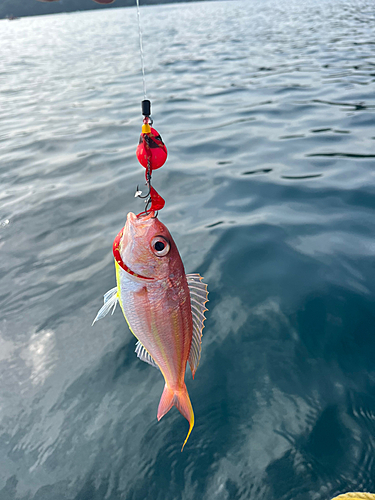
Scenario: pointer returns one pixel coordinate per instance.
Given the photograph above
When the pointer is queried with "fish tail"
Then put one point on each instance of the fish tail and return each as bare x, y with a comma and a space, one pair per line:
180, 399
183, 404
166, 402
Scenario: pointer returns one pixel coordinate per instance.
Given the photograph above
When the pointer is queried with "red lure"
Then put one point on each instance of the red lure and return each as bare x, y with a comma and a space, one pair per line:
151, 154
153, 143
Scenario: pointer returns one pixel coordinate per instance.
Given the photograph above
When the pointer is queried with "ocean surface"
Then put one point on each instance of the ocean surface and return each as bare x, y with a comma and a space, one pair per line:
268, 112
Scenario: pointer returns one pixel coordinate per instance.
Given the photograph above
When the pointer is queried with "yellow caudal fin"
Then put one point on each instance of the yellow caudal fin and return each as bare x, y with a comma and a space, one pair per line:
355, 496
183, 404
180, 399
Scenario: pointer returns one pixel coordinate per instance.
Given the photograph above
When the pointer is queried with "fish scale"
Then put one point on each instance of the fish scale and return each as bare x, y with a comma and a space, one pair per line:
148, 315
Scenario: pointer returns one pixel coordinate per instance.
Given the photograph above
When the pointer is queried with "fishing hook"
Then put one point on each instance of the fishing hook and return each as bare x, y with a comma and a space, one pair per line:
138, 193
146, 197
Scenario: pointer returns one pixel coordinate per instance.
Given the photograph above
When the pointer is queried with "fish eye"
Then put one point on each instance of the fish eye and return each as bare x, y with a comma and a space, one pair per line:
160, 246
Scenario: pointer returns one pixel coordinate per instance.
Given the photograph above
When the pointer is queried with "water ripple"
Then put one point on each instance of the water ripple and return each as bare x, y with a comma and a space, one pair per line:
267, 111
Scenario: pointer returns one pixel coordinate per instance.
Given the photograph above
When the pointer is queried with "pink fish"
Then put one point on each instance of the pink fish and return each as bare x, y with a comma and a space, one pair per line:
163, 306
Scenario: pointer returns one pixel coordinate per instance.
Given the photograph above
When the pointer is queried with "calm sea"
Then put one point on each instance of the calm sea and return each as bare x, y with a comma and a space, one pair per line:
268, 111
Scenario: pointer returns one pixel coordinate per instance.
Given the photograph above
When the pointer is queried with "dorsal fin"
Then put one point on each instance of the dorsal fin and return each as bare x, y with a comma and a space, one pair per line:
198, 298
144, 355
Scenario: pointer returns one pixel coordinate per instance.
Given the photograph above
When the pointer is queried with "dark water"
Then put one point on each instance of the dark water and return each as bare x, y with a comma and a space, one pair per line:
267, 108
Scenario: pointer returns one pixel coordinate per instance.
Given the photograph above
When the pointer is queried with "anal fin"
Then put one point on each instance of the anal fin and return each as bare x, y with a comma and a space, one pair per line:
144, 355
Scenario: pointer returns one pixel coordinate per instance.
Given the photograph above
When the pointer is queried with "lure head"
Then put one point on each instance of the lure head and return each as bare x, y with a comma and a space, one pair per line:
157, 149
147, 248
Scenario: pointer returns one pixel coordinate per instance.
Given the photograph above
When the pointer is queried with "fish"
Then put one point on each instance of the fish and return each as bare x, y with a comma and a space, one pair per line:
164, 307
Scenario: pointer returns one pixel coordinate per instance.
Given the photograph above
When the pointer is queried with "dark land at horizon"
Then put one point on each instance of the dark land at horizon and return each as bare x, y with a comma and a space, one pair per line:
22, 8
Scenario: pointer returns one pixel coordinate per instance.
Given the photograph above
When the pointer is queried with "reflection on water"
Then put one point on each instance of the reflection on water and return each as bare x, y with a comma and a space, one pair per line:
267, 110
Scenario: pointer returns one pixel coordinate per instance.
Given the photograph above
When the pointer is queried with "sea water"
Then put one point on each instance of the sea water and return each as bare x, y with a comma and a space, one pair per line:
268, 111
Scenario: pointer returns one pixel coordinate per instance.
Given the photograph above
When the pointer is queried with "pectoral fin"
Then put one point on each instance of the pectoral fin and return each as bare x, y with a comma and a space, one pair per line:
198, 298
110, 302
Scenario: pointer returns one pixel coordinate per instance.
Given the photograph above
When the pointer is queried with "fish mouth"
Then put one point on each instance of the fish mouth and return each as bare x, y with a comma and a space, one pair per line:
117, 256
133, 221
142, 216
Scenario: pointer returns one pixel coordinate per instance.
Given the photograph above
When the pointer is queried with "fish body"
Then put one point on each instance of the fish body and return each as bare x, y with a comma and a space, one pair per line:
163, 306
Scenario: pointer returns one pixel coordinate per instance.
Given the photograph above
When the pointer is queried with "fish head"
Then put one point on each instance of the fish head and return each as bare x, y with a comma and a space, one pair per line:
147, 248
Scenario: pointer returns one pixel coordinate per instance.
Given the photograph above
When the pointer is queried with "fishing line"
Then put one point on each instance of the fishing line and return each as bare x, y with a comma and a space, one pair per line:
151, 151
141, 50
